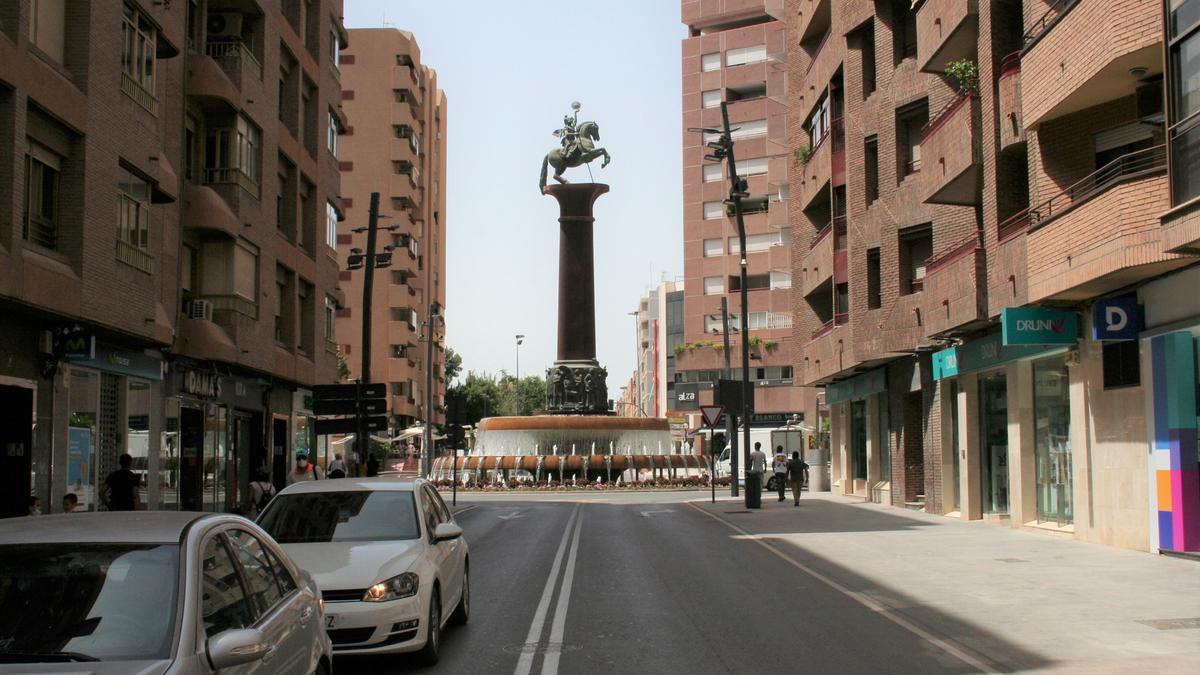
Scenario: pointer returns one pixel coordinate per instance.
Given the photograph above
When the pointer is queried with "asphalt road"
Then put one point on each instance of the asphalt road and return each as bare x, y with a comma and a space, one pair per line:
649, 584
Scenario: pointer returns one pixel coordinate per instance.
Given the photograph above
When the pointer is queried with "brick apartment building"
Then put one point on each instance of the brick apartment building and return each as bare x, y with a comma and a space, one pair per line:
736, 52
396, 147
167, 285
992, 277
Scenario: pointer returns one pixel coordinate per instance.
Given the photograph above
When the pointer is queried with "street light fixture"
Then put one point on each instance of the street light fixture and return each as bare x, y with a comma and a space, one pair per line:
520, 339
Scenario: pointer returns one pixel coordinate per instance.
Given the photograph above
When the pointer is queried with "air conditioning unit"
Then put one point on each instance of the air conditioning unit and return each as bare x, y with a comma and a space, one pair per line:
200, 309
225, 25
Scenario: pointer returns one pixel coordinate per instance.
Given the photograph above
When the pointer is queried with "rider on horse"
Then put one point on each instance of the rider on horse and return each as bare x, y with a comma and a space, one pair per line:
568, 135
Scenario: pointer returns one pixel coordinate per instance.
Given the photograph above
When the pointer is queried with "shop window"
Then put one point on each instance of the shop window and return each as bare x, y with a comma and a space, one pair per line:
1122, 367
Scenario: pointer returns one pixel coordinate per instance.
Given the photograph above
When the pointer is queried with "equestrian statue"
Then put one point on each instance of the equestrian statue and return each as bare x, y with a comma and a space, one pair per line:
577, 141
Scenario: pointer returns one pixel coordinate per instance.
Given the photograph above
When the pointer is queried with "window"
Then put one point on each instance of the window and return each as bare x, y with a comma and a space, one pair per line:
713, 286
713, 210
1122, 140
871, 160
744, 55
260, 580
334, 48
133, 210
781, 280
331, 221
287, 583
245, 271
817, 124
841, 303
350, 516
1121, 364
137, 57
47, 27
749, 129
306, 232
874, 297
916, 246
744, 92
712, 173
331, 140
759, 242
233, 155
710, 98
757, 166
307, 296
330, 320
868, 58
285, 307
224, 604
187, 269
710, 62
904, 30
42, 171
909, 122
714, 247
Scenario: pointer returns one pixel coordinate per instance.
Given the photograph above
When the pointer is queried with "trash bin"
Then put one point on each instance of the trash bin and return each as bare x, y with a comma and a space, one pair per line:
753, 490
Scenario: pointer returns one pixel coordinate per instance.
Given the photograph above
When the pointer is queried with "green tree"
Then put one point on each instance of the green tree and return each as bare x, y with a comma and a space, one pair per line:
476, 396
524, 397
343, 368
453, 365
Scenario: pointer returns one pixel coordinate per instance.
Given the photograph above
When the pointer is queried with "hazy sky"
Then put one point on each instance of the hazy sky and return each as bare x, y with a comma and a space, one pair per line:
510, 71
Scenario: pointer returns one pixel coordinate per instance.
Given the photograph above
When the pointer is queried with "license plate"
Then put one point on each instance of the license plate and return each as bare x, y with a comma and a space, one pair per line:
330, 620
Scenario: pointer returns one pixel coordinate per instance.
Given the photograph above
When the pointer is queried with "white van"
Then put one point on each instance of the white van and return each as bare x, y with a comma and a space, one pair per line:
791, 438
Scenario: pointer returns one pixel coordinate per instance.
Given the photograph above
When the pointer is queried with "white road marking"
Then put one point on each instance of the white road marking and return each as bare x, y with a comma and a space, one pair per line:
554, 649
525, 663
647, 514
514, 514
866, 601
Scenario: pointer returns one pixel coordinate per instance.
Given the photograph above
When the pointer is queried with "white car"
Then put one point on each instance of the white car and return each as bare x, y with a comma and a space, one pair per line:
154, 593
391, 562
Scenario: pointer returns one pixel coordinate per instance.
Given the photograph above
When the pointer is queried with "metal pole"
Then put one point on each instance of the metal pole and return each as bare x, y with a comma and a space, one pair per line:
427, 450
456, 429
364, 377
729, 428
735, 195
518, 361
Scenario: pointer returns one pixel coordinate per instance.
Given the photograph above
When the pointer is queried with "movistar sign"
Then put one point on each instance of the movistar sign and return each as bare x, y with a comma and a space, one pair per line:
1037, 326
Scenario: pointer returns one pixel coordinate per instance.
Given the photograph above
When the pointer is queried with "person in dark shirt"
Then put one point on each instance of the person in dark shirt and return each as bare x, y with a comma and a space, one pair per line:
121, 488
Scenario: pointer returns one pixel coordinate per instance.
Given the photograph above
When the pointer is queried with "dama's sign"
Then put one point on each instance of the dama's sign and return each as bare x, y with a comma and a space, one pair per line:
1038, 326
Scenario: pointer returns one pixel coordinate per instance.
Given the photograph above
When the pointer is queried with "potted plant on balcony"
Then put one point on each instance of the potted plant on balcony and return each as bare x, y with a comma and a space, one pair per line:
966, 73
803, 153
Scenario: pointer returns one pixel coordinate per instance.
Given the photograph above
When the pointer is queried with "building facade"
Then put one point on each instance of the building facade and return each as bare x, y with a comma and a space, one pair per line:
736, 53
161, 295
978, 200
659, 328
396, 147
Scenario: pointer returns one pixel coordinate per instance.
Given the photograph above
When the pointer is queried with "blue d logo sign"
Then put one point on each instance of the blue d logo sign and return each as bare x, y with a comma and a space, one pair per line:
1115, 318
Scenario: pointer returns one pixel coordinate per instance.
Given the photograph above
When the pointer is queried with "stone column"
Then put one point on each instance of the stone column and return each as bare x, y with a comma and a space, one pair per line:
583, 388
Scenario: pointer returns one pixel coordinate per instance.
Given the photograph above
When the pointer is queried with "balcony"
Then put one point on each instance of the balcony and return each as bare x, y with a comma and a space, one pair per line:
231, 176
206, 340
237, 61
826, 164
814, 18
211, 86
827, 354
950, 157
1012, 124
401, 332
953, 294
206, 211
1063, 74
947, 30
1181, 228
1102, 233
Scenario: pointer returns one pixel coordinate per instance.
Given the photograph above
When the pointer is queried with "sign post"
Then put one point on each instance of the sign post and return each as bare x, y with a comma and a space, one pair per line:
712, 415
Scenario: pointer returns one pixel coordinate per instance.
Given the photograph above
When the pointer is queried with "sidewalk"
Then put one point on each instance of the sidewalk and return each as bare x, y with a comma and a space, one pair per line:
1015, 600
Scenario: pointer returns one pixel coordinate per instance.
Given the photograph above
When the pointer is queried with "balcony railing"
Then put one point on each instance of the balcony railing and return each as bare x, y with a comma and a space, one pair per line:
233, 303
836, 226
1013, 225
1043, 25
231, 54
952, 256
839, 319
231, 176
134, 256
134, 90
1126, 167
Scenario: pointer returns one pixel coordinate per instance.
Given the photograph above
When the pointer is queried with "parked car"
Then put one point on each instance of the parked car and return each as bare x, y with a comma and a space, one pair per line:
154, 593
391, 561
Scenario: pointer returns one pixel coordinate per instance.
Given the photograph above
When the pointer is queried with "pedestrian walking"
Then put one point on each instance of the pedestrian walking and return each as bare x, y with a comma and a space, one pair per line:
70, 501
779, 465
259, 495
337, 468
122, 488
797, 475
304, 470
758, 459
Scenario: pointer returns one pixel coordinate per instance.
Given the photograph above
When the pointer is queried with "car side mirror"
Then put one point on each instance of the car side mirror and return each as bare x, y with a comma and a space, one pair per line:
447, 531
236, 647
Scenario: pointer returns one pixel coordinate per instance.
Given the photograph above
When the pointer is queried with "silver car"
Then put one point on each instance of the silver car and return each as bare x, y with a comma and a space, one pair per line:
154, 593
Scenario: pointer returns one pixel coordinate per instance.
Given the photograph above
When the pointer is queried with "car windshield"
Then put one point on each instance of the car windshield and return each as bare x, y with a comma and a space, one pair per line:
111, 602
354, 515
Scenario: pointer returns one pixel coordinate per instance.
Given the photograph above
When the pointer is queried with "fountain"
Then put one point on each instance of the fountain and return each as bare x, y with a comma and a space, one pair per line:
577, 408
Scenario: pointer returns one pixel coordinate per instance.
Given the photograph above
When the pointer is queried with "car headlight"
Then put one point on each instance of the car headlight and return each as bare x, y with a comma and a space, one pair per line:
400, 586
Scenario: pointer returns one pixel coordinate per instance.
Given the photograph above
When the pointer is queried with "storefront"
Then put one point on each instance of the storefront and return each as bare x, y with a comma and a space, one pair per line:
213, 439
860, 461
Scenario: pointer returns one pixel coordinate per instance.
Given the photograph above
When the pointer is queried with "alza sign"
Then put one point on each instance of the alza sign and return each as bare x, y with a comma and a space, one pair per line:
1037, 326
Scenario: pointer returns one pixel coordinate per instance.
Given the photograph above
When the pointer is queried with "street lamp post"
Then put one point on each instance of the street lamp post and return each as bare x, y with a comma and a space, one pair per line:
520, 339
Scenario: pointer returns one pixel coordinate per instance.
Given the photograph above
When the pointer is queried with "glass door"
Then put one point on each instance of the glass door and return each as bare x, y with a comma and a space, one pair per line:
858, 437
955, 463
1052, 436
993, 447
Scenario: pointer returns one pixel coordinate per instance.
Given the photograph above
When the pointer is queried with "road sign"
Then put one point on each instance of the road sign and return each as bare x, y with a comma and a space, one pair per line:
349, 425
712, 414
367, 406
336, 392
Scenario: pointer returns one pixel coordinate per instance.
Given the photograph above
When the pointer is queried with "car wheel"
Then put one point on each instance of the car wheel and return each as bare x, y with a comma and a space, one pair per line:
463, 611
433, 633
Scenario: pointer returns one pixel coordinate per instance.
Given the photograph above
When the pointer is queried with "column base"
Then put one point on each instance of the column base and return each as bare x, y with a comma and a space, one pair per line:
577, 388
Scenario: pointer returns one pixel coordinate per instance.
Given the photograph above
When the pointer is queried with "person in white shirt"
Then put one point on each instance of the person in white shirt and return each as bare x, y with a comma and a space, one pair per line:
779, 465
758, 460
337, 468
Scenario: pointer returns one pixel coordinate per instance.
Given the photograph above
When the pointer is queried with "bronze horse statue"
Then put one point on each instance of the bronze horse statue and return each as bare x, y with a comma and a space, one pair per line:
580, 152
